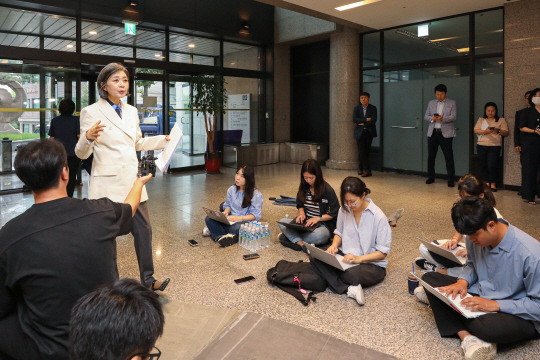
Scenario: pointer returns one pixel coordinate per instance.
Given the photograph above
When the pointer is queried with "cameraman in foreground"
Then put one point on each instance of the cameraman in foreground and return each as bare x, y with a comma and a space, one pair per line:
54, 253
110, 130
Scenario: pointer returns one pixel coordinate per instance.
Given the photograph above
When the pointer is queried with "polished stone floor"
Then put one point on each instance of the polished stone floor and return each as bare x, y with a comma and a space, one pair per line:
391, 322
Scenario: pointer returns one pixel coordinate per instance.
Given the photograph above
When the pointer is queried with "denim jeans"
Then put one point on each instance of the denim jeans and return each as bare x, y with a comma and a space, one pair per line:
218, 229
319, 236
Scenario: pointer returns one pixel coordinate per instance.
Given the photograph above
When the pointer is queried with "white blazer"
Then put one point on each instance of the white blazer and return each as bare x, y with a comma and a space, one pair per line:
115, 165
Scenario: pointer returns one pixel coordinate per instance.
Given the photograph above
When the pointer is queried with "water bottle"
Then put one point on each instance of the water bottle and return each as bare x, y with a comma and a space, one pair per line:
242, 235
268, 235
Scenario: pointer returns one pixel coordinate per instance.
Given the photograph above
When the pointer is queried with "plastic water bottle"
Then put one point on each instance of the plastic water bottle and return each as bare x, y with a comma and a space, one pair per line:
268, 235
242, 235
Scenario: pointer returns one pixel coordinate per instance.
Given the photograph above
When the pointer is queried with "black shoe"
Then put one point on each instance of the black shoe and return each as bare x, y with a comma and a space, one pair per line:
227, 240
450, 183
285, 242
161, 287
424, 264
430, 181
367, 174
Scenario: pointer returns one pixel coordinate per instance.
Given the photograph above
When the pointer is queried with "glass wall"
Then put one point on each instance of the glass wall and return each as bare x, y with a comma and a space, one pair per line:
243, 107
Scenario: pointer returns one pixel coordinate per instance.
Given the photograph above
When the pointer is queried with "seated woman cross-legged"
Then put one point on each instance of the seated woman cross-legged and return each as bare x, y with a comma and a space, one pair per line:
363, 236
317, 204
243, 204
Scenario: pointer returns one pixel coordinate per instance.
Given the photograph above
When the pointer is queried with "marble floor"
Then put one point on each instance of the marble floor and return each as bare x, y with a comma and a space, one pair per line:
391, 322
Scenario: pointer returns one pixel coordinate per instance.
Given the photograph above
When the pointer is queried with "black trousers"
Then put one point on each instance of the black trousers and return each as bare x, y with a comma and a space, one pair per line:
434, 141
14, 343
73, 166
531, 163
142, 233
499, 328
339, 281
489, 162
364, 148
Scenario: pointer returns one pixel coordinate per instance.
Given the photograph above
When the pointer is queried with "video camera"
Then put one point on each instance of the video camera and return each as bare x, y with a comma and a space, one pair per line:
147, 164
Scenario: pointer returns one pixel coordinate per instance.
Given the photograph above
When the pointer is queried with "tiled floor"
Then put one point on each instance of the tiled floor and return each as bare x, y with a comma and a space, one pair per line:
391, 321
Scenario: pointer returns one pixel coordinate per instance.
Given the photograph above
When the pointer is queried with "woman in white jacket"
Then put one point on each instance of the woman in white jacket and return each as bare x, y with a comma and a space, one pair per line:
110, 130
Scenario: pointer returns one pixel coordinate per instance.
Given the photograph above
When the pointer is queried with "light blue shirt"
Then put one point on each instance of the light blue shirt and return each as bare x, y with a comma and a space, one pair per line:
234, 202
508, 273
371, 234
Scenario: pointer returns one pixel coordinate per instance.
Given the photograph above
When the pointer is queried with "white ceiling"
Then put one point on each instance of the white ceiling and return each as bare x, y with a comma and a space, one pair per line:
389, 13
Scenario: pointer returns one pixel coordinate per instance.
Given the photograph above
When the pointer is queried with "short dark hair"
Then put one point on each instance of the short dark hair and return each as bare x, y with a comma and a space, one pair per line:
472, 214
312, 167
353, 185
66, 107
105, 74
115, 322
39, 164
441, 87
533, 92
365, 93
490, 103
527, 93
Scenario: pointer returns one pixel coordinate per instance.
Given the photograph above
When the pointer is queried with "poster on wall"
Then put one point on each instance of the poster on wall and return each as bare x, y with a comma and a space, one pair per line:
239, 119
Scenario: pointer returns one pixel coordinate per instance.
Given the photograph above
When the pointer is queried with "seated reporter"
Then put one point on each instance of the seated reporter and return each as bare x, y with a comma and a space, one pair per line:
363, 236
502, 273
117, 322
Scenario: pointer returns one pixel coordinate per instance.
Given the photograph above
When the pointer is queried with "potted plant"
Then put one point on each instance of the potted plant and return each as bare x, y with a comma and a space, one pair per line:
209, 97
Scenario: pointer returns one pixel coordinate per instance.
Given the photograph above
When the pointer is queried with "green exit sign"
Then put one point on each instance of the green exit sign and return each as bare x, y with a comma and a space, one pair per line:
130, 28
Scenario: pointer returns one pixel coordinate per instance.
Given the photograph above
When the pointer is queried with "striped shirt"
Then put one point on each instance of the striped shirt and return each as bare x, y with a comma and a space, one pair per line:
310, 207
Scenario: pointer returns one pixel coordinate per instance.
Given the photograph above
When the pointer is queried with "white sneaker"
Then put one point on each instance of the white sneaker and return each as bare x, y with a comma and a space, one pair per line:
356, 293
206, 232
476, 349
420, 294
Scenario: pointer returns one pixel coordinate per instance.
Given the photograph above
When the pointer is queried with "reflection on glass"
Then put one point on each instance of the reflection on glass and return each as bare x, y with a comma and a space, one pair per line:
371, 49
241, 56
488, 32
371, 85
149, 102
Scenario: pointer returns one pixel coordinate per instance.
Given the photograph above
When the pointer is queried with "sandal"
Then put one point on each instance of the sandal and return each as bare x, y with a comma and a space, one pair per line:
162, 286
532, 202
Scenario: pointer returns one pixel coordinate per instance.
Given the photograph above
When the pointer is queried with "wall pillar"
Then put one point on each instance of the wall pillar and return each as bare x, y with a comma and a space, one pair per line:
344, 95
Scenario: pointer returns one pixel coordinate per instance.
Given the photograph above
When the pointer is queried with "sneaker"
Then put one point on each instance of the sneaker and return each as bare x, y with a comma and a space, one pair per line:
356, 293
476, 349
424, 264
287, 243
395, 216
206, 232
227, 240
420, 294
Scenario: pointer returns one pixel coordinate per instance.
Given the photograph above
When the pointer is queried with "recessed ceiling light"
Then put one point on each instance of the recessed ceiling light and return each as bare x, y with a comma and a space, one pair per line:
355, 4
69, 46
157, 55
462, 50
191, 45
500, 62
103, 51
60, 67
93, 32
27, 44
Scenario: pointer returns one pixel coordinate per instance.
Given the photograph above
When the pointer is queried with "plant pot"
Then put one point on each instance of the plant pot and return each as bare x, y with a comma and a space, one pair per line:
212, 162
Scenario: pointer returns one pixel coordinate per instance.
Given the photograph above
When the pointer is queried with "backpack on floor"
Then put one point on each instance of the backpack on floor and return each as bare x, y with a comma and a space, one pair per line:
295, 278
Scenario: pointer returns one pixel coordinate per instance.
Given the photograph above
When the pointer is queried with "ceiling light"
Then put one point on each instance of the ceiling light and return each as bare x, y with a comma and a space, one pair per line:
69, 46
500, 62
93, 32
157, 55
463, 50
191, 45
444, 39
103, 51
356, 4
60, 67
27, 44
423, 30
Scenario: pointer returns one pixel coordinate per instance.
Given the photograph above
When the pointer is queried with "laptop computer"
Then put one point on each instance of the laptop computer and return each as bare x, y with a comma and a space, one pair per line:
332, 260
453, 303
218, 216
449, 254
300, 227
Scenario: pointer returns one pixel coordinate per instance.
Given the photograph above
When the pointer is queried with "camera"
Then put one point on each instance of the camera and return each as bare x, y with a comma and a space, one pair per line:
147, 164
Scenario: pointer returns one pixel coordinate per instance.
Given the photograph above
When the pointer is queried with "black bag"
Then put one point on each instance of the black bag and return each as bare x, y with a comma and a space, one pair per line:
291, 277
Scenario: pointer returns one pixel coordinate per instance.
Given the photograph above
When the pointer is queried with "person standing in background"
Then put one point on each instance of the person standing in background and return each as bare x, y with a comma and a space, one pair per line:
441, 114
66, 129
365, 117
529, 124
518, 135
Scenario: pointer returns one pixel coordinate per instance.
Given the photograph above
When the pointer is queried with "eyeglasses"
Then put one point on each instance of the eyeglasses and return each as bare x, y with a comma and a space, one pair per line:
151, 356
353, 202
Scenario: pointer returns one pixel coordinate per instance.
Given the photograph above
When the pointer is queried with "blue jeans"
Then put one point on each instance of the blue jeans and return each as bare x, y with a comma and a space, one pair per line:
218, 229
319, 236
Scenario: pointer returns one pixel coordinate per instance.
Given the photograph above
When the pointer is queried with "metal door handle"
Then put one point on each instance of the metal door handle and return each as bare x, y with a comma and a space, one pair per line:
404, 127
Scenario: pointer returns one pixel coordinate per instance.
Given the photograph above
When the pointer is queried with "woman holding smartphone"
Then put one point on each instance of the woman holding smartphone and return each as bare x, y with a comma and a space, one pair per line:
243, 204
363, 237
317, 206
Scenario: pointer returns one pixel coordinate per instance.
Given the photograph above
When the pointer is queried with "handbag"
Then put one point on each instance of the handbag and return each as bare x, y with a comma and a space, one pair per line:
295, 278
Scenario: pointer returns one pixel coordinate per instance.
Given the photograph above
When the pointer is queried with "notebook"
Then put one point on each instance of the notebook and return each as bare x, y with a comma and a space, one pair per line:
449, 254
332, 260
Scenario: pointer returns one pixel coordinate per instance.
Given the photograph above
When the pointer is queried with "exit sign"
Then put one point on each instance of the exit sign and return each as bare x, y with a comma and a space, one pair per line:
130, 28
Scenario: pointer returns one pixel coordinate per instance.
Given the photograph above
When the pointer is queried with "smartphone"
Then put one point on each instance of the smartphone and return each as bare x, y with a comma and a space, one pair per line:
244, 279
491, 127
193, 242
251, 256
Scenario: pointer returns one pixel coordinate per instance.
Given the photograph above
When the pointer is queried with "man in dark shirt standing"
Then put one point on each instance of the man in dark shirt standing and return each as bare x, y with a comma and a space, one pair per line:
54, 253
518, 135
364, 117
66, 129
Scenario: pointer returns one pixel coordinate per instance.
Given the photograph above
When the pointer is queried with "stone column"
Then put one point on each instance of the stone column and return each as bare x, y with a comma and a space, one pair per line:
344, 95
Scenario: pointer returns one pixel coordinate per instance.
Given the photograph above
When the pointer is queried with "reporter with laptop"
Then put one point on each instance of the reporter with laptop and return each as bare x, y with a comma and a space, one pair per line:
317, 206
502, 273
364, 238
243, 204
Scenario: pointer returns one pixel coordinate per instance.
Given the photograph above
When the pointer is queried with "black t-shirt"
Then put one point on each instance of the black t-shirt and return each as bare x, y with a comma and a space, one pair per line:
65, 129
50, 256
530, 118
